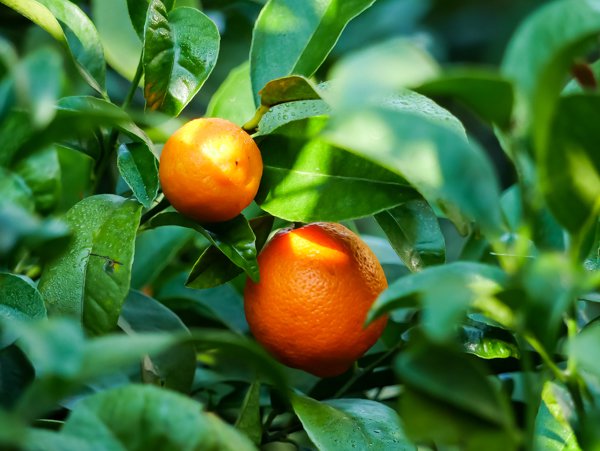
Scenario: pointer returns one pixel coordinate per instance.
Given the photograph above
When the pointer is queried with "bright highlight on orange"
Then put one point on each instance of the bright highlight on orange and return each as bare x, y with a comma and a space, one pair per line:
210, 170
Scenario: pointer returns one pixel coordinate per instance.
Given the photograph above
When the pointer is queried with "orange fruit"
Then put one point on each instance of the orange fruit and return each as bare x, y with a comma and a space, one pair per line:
316, 286
210, 169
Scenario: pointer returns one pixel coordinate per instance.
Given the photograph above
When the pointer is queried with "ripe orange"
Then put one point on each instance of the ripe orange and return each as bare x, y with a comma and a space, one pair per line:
210, 169
316, 286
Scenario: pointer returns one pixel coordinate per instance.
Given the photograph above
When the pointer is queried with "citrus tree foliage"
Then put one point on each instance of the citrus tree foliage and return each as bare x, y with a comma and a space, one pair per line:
121, 322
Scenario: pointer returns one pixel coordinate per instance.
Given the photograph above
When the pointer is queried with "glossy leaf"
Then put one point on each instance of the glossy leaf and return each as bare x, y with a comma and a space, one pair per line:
350, 423
249, 420
174, 71
173, 369
84, 42
223, 303
19, 298
445, 292
90, 279
42, 173
570, 169
139, 168
487, 342
305, 179
295, 37
414, 232
138, 12
154, 249
233, 100
122, 47
552, 429
282, 114
213, 268
445, 168
142, 417
489, 95
288, 89
233, 238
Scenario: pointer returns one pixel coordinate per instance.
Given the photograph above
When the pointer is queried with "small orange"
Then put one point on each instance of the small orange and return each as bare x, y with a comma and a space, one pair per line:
210, 169
316, 286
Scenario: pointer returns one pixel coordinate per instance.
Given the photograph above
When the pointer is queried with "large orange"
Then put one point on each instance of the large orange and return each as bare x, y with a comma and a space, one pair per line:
316, 286
210, 169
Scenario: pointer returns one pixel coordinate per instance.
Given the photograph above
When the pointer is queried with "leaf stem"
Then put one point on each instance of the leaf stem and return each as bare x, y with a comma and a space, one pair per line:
252, 124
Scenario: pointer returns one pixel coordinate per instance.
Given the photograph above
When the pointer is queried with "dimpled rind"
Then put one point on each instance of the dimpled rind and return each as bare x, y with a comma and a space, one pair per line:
210, 169
317, 284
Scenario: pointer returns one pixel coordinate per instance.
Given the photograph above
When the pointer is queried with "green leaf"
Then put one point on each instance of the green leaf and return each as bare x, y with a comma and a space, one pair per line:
455, 379
293, 37
570, 168
16, 373
174, 68
138, 11
441, 164
428, 420
233, 238
64, 360
222, 303
415, 234
154, 250
90, 279
19, 299
41, 171
550, 283
139, 168
584, 351
552, 429
487, 342
573, 26
233, 100
122, 47
173, 369
445, 292
101, 111
378, 71
305, 179
214, 268
285, 113
249, 420
83, 40
142, 417
288, 89
39, 76
14, 191
350, 423
19, 227
38, 14
488, 94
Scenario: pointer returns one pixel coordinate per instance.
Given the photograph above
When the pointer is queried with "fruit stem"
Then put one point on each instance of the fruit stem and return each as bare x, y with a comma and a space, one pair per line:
252, 124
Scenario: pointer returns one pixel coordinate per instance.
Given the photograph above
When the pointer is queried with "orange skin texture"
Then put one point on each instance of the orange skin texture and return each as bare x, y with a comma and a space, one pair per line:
210, 169
316, 286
